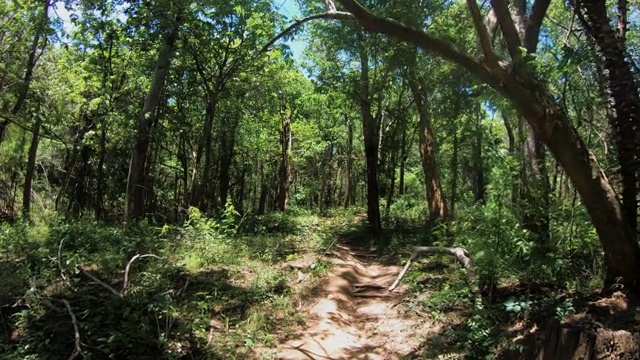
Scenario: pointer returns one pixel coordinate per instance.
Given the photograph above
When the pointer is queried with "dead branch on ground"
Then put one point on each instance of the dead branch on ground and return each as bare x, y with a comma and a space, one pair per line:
119, 294
461, 255
77, 351
126, 270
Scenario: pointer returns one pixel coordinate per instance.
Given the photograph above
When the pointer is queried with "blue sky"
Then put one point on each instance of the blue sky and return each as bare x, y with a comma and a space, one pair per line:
290, 9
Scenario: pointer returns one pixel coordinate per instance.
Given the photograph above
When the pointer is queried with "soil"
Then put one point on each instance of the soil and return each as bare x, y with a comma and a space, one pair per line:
351, 315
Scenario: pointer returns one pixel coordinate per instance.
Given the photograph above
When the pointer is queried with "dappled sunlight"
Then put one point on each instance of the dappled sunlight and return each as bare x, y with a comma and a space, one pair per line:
354, 316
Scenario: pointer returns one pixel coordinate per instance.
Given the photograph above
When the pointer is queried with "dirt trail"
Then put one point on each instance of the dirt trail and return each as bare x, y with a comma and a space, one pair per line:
350, 318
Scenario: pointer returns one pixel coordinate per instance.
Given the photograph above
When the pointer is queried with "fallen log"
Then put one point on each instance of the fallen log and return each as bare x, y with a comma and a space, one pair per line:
461, 255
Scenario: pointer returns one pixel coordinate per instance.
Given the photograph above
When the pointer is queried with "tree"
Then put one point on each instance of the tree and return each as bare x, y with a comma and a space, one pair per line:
136, 183
516, 81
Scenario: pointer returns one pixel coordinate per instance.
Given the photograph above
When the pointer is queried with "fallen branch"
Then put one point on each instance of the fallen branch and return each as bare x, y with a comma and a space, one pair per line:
77, 351
99, 282
330, 246
126, 269
60, 260
461, 255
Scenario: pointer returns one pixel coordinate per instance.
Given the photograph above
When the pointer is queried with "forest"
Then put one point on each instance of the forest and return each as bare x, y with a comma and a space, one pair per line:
305, 179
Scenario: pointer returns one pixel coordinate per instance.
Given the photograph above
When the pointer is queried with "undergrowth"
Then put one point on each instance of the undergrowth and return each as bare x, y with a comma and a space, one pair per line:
211, 289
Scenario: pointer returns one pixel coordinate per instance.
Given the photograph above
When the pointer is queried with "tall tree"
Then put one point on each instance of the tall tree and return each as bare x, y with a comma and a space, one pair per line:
136, 183
437, 203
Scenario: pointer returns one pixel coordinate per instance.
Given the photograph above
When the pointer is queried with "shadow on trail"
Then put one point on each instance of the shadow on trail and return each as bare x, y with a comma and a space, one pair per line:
351, 315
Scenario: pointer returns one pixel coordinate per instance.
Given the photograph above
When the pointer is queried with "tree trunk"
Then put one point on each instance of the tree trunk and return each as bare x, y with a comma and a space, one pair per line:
534, 192
23, 90
479, 180
227, 147
99, 204
371, 136
137, 177
624, 99
437, 202
349, 193
31, 168
264, 191
403, 158
454, 170
284, 172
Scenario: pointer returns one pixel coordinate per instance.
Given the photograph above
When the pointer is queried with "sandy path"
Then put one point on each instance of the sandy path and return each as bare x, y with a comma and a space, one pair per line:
349, 320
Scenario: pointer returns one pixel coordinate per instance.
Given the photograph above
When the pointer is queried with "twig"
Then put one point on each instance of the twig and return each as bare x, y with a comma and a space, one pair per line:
111, 290
330, 246
77, 351
126, 269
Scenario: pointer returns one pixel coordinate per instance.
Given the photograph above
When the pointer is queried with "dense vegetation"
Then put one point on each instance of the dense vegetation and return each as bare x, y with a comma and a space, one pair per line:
160, 160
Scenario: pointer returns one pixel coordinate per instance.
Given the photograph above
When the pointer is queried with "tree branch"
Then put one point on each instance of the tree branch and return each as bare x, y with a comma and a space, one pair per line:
77, 351
509, 31
99, 282
408, 34
461, 255
126, 270
330, 15
532, 34
483, 34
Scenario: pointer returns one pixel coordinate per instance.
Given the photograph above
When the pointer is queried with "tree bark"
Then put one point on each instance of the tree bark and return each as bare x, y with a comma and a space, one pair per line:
137, 178
31, 168
227, 147
285, 173
99, 204
624, 98
349, 193
534, 192
479, 179
371, 136
437, 203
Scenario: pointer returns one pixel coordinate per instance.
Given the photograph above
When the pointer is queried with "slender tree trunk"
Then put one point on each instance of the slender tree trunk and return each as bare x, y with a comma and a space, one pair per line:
31, 168
137, 177
32, 59
371, 145
264, 191
227, 147
437, 202
403, 158
454, 170
349, 193
285, 173
99, 204
479, 181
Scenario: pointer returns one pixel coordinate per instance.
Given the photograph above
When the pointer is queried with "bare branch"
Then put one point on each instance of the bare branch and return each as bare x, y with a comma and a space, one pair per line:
509, 31
99, 282
461, 255
532, 34
126, 269
331, 15
483, 34
77, 351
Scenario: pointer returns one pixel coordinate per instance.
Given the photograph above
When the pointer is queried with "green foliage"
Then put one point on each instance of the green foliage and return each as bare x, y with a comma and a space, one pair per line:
517, 305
